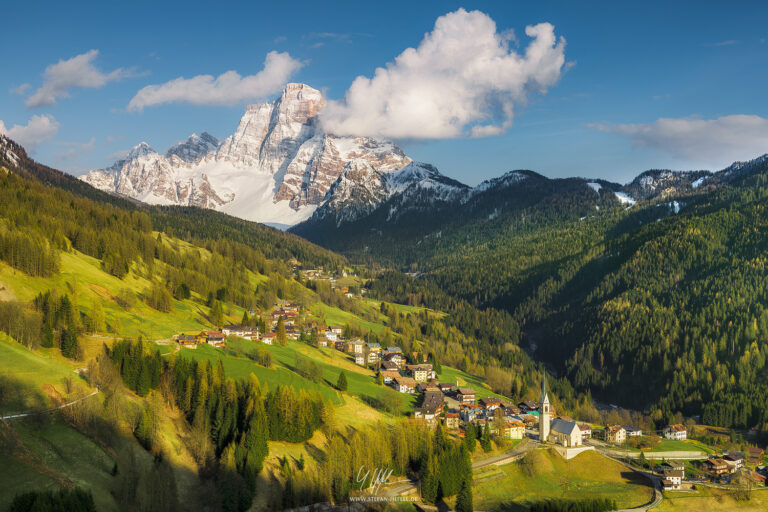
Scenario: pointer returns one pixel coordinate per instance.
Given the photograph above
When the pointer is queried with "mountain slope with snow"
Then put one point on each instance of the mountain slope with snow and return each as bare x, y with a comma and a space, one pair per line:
277, 167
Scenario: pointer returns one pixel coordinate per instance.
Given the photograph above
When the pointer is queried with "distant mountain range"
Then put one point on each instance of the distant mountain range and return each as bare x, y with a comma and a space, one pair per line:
281, 168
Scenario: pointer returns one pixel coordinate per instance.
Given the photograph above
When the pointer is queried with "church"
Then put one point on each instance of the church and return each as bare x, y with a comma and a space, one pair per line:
557, 431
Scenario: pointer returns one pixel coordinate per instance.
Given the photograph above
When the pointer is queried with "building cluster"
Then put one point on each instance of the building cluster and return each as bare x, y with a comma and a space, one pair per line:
287, 311
720, 469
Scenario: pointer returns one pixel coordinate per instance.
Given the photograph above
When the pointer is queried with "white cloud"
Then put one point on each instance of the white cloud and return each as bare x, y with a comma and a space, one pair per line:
78, 71
712, 142
38, 129
227, 89
20, 90
462, 79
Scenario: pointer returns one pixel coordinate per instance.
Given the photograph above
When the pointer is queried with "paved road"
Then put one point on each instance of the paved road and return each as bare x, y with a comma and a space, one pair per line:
658, 496
69, 404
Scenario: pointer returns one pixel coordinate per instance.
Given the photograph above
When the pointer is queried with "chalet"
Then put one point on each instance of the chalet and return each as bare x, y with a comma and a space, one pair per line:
529, 419
355, 346
466, 396
433, 400
389, 365
404, 384
419, 372
426, 414
735, 460
188, 341
240, 331
338, 331
755, 455
360, 359
452, 420
446, 387
586, 431
514, 430
388, 376
633, 431
330, 335
268, 339
615, 434
396, 358
511, 410
676, 432
373, 357
373, 348
423, 387
490, 403
673, 464
322, 343
716, 467
216, 338
291, 333
565, 433
673, 479
393, 350
528, 406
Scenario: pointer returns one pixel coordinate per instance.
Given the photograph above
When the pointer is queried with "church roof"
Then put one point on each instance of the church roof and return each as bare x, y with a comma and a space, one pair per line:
563, 427
544, 396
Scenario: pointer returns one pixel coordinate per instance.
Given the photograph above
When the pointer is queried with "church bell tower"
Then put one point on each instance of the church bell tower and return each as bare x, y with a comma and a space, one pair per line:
545, 412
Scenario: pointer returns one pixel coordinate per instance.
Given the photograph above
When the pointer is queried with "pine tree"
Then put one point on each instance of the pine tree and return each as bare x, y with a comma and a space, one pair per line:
280, 332
464, 499
341, 384
246, 319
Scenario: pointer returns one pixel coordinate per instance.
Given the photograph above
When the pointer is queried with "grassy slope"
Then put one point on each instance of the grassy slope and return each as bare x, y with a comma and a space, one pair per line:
713, 499
587, 475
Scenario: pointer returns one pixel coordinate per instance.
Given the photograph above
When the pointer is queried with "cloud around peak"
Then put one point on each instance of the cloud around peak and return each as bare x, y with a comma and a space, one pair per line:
710, 142
227, 89
77, 71
463, 79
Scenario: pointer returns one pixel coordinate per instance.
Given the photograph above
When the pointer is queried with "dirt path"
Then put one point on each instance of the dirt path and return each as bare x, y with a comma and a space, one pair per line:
68, 404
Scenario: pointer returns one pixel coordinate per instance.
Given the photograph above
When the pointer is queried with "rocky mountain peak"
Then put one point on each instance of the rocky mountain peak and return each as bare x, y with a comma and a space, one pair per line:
140, 150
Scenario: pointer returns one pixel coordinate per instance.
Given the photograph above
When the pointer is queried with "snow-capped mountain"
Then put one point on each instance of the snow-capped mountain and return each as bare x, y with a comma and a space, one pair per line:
277, 167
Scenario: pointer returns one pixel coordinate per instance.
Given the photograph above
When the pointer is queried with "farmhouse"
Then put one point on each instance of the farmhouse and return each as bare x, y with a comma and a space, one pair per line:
268, 339
446, 387
466, 396
388, 376
452, 420
420, 372
490, 403
404, 384
528, 406
565, 433
373, 357
360, 359
240, 331
673, 479
374, 348
514, 430
633, 431
188, 341
755, 455
396, 358
676, 432
433, 400
355, 346
389, 365
586, 431
215, 338
615, 434
716, 467
735, 460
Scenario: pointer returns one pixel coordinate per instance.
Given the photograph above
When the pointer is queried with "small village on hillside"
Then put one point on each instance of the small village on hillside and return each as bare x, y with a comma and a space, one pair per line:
663, 456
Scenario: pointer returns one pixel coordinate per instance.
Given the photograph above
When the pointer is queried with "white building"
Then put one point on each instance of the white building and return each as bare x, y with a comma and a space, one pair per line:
676, 432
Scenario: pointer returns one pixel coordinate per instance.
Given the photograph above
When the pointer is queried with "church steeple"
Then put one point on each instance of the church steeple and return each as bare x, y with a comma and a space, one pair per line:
545, 411
544, 397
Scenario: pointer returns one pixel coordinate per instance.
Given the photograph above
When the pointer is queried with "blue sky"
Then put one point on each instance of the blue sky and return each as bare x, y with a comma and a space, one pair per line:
699, 67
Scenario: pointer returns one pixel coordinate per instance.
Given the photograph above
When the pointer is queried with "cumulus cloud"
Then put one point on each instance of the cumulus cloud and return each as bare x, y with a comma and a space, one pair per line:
78, 71
462, 79
225, 90
715, 142
38, 129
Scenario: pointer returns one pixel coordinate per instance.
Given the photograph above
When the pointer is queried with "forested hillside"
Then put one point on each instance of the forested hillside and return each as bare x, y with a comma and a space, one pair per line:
658, 306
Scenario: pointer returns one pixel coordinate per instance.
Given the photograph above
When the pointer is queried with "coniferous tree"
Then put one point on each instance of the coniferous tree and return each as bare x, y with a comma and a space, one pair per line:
464, 498
341, 383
